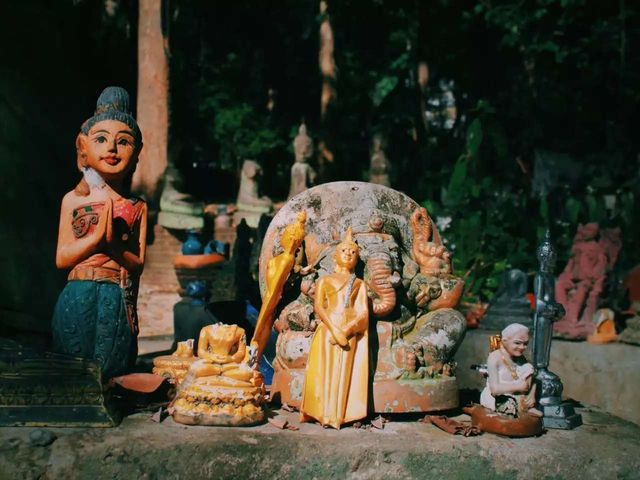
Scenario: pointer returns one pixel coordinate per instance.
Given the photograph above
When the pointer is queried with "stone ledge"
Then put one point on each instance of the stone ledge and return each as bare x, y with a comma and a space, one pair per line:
607, 376
604, 447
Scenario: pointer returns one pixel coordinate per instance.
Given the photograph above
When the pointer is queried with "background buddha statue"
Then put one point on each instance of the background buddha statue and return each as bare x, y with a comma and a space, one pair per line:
302, 174
510, 303
250, 205
380, 165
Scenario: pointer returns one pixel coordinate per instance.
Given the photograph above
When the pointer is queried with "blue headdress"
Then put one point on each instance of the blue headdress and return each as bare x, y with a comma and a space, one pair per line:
113, 104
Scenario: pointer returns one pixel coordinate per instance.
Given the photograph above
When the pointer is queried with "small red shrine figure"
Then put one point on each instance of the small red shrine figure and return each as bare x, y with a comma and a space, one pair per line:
582, 281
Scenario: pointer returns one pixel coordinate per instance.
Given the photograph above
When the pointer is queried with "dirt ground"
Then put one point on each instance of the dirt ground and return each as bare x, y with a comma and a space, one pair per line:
604, 447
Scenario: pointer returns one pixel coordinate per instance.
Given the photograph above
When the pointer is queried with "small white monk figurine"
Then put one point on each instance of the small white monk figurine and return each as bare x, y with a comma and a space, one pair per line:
510, 389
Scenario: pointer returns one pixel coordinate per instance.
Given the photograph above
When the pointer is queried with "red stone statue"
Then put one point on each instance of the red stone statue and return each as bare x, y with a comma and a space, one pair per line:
582, 281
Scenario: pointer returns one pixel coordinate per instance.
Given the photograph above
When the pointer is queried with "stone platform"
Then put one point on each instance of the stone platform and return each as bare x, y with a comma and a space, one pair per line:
604, 447
606, 376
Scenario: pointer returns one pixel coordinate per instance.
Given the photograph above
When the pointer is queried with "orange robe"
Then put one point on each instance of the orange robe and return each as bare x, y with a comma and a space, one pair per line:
337, 380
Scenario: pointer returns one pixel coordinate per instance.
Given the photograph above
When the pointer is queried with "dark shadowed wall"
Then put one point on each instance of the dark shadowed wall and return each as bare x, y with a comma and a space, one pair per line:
55, 58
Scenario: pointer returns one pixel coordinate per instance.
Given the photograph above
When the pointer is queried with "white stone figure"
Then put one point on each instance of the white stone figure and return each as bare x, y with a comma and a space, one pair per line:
510, 386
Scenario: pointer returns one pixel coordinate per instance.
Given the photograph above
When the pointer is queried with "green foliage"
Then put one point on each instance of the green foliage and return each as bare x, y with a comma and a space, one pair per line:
242, 133
383, 88
554, 56
572, 209
542, 75
229, 61
485, 234
474, 138
532, 27
237, 128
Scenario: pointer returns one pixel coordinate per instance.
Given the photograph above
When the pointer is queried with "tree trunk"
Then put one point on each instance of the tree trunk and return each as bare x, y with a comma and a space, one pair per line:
326, 61
328, 71
153, 105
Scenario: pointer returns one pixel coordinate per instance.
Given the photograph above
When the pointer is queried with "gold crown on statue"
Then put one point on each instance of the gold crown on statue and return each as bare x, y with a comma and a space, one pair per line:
495, 341
348, 240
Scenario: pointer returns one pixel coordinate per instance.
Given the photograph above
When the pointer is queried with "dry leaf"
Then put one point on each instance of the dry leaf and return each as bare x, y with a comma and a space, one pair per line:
452, 426
159, 416
278, 423
378, 423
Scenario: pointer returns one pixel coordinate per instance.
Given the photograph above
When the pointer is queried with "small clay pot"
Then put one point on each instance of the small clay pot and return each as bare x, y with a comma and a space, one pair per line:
192, 245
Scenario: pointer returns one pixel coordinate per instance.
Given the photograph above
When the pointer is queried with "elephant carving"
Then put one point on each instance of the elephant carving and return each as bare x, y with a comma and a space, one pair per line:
412, 292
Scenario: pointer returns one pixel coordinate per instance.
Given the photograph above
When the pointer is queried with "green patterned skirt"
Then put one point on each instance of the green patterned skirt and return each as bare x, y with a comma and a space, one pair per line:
90, 321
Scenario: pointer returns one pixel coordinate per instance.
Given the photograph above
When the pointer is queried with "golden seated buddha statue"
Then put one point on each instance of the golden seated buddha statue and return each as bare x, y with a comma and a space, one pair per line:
220, 388
174, 367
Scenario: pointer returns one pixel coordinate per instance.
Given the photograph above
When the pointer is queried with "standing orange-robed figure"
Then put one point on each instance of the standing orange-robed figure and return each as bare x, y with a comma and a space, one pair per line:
337, 377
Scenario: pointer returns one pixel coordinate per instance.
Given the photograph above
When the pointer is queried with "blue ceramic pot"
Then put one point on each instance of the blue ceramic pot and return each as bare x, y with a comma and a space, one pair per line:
192, 245
214, 246
197, 290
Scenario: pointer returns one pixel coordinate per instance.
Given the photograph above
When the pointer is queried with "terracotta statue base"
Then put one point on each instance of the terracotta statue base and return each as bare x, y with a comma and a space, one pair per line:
290, 366
492, 422
390, 394
287, 386
396, 390
418, 395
